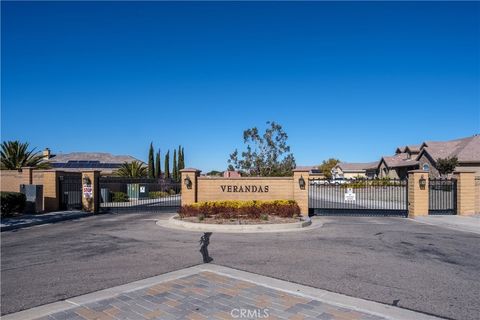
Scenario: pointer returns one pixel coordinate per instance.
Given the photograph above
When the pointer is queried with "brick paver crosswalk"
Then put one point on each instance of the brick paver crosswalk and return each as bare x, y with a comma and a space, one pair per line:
207, 295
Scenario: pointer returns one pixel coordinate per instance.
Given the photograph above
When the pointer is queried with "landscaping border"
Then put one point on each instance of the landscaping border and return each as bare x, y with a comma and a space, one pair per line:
178, 224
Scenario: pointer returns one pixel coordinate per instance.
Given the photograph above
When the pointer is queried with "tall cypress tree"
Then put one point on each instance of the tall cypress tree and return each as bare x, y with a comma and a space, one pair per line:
180, 166
175, 165
183, 158
167, 165
151, 169
158, 170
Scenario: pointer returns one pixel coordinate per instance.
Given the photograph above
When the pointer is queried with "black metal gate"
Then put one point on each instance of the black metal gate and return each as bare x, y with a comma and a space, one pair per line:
442, 195
359, 197
119, 194
70, 192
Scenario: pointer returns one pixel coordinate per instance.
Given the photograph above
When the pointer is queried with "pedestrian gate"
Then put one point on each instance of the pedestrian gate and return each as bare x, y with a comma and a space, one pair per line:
442, 194
70, 192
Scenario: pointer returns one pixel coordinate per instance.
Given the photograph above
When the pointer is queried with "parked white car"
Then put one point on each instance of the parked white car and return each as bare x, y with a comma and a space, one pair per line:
338, 181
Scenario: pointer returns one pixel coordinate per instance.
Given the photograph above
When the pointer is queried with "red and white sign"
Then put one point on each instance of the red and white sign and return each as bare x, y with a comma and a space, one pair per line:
87, 191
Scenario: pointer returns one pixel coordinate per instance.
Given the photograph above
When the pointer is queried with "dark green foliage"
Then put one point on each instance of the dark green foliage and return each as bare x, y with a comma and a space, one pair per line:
158, 169
15, 155
175, 166
167, 165
327, 166
11, 203
215, 173
158, 194
181, 159
447, 165
134, 169
241, 209
120, 197
151, 168
266, 154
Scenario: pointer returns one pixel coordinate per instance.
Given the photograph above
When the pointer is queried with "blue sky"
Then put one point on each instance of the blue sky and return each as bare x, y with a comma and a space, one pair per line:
346, 80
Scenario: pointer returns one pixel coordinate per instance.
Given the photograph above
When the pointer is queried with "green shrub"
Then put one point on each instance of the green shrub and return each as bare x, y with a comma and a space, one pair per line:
157, 194
120, 197
241, 209
172, 192
12, 202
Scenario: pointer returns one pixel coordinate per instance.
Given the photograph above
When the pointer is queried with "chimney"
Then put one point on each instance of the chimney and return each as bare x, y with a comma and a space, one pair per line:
46, 153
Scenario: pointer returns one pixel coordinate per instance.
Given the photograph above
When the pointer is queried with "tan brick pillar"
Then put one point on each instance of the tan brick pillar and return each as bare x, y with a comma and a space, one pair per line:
51, 190
300, 194
465, 192
91, 200
417, 194
189, 184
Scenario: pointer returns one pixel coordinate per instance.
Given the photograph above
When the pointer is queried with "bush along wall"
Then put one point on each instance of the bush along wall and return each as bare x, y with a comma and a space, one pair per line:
11, 203
241, 209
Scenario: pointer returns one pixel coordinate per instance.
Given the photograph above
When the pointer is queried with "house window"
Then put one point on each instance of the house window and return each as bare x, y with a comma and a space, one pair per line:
426, 167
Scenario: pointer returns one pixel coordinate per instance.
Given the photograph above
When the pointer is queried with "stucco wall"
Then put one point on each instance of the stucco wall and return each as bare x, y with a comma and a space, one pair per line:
469, 167
477, 194
433, 172
350, 175
390, 173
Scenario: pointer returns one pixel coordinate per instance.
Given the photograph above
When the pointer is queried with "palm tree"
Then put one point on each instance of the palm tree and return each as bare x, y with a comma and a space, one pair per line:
134, 169
15, 155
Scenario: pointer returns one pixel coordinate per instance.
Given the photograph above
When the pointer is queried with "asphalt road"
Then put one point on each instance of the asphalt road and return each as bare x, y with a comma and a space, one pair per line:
390, 260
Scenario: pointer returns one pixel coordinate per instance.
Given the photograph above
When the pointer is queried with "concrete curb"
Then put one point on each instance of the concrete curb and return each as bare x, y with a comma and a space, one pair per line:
177, 224
45, 221
336, 299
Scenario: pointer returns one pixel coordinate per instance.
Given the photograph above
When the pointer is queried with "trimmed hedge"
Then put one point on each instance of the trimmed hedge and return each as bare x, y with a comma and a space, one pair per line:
241, 209
158, 194
120, 197
12, 202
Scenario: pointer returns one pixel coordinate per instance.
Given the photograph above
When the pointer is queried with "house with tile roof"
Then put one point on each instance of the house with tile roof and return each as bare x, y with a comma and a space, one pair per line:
426, 155
349, 170
467, 151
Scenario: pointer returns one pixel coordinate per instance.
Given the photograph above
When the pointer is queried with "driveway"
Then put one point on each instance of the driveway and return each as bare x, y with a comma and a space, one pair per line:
389, 260
460, 223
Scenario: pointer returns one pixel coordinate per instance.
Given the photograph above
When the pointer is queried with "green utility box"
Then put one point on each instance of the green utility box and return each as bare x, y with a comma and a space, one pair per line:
137, 191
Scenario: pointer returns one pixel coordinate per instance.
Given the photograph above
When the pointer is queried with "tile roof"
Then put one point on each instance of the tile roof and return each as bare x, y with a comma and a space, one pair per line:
465, 149
350, 166
399, 160
414, 148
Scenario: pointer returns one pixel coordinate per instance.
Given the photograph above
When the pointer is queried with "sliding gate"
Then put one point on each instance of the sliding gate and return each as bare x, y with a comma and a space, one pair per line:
119, 194
366, 197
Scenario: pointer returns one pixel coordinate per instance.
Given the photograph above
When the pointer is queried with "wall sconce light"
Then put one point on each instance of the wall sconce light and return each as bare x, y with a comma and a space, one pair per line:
422, 182
301, 183
86, 180
188, 182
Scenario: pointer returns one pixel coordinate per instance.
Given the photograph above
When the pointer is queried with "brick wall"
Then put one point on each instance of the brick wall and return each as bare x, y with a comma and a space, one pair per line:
477, 194
12, 179
254, 188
